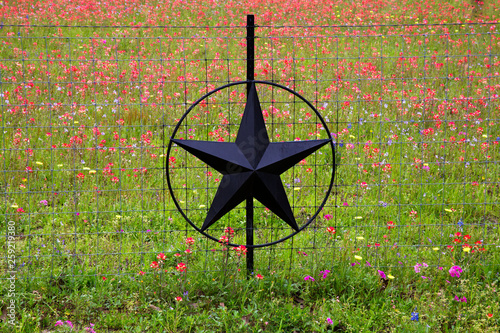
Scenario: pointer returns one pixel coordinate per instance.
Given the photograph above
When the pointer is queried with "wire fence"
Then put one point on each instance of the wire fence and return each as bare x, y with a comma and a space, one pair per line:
87, 114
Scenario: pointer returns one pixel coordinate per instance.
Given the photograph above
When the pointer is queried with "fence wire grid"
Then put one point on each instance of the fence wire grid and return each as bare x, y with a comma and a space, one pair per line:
87, 113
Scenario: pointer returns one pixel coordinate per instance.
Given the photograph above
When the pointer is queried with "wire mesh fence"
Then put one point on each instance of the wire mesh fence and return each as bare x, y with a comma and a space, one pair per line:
87, 114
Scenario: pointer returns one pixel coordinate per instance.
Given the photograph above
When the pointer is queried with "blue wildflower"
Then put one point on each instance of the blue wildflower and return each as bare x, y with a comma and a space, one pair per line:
414, 315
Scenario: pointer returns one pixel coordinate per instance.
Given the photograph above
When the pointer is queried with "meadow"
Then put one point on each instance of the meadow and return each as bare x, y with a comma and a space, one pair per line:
407, 240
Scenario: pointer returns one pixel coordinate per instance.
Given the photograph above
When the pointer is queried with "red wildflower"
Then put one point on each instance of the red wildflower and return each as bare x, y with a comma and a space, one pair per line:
242, 249
224, 240
331, 230
181, 267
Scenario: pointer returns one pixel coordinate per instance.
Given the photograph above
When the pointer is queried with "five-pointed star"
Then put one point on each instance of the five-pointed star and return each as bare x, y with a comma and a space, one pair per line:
251, 166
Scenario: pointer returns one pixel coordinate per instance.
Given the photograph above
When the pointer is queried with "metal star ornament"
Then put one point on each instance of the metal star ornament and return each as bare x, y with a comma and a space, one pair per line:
251, 166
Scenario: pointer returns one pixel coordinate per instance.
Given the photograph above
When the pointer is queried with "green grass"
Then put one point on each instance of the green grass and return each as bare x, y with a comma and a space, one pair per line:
355, 299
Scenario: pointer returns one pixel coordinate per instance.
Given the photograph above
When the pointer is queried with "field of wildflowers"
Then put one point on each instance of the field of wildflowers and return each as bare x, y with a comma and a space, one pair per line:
90, 92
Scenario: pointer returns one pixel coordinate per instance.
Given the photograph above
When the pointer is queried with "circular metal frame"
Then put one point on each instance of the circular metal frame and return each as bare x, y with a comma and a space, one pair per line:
213, 92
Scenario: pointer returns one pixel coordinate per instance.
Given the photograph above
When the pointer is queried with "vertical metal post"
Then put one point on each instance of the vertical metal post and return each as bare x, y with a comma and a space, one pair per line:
250, 77
250, 50
249, 230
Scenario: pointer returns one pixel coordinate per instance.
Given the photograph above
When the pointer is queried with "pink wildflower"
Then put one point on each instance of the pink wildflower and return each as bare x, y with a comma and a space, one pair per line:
455, 271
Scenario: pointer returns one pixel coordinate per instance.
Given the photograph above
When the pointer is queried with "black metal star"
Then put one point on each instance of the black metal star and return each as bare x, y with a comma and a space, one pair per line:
251, 166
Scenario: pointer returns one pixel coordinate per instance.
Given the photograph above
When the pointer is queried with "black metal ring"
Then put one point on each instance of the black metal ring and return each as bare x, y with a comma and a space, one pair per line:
213, 92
